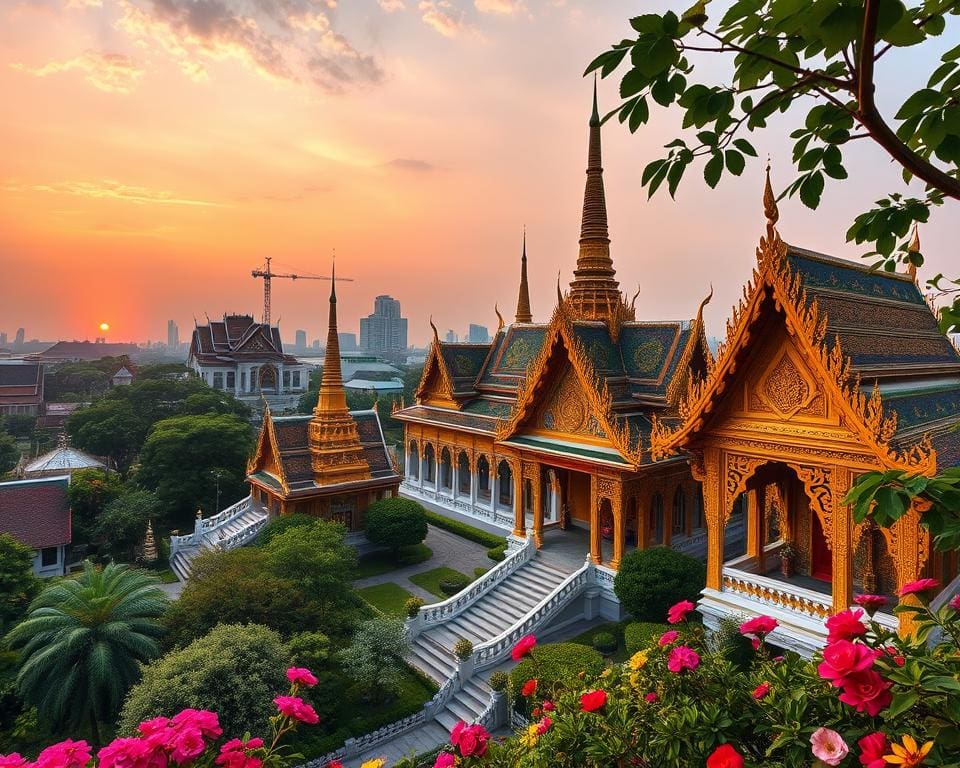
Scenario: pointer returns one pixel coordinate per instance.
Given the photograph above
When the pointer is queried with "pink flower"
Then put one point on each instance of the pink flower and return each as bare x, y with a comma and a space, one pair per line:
66, 754
445, 760
668, 637
651, 698
187, 744
548, 706
543, 726
301, 676
920, 585
593, 700
755, 643
761, 626
872, 603
132, 753
828, 746
892, 652
955, 602
334, 764
761, 690
157, 725
233, 754
873, 747
529, 688
845, 625
204, 720
842, 659
867, 692
470, 739
295, 707
523, 647
682, 658
13, 760
678, 612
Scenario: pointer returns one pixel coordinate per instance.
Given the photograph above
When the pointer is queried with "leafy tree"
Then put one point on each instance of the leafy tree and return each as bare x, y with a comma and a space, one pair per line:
374, 660
9, 453
280, 524
110, 428
651, 580
76, 381
395, 524
18, 424
234, 670
121, 528
83, 641
212, 401
18, 585
178, 457
236, 587
90, 491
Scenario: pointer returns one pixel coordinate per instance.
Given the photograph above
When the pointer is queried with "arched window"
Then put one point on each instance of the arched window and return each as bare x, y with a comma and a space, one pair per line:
505, 482
483, 478
656, 519
446, 469
429, 463
679, 511
463, 473
414, 469
698, 508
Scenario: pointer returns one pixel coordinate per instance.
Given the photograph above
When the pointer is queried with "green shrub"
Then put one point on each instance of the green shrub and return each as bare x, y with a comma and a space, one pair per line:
463, 649
556, 667
499, 681
412, 607
395, 523
478, 572
604, 642
466, 531
731, 645
650, 581
280, 524
497, 553
451, 586
638, 635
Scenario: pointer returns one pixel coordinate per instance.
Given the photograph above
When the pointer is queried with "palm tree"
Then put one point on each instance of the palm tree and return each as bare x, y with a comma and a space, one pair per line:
83, 641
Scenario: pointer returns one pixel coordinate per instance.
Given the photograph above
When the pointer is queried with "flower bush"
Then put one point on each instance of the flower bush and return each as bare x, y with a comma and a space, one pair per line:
189, 738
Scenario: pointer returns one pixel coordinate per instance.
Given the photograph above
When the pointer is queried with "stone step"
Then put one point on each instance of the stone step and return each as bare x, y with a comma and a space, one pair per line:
476, 628
447, 720
473, 699
430, 663
488, 615
462, 710
504, 604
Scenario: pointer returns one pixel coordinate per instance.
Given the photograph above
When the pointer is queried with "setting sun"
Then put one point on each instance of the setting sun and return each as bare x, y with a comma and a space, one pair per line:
104, 327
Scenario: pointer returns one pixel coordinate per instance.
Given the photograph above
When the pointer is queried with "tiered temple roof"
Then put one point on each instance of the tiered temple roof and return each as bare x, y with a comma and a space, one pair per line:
235, 338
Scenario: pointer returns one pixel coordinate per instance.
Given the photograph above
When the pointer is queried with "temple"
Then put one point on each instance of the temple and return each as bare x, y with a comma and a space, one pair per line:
332, 464
547, 426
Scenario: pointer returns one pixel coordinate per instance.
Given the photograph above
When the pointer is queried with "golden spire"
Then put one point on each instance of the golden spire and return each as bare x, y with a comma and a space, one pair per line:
594, 288
770, 209
336, 453
523, 300
499, 317
149, 544
914, 247
559, 292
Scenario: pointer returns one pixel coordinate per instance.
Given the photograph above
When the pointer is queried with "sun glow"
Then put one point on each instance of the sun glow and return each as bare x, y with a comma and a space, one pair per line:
104, 327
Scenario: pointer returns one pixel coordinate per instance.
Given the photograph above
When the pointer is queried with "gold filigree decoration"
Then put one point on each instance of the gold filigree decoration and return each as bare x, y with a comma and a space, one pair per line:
739, 470
817, 484
786, 389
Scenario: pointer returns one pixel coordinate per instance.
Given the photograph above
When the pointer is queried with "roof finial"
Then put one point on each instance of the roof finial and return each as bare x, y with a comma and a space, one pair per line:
436, 333
699, 320
333, 277
496, 309
595, 116
559, 292
633, 301
770, 209
524, 315
914, 247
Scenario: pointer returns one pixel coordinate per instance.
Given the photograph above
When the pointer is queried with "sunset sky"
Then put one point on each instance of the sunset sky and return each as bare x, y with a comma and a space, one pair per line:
155, 151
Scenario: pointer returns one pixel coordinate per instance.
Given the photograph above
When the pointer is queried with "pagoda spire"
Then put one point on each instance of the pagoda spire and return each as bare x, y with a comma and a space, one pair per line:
594, 289
914, 247
523, 301
336, 453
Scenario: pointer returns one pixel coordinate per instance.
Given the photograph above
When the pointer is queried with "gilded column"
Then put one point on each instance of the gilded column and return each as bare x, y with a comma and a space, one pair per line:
841, 537
519, 519
595, 552
643, 518
537, 502
912, 543
753, 524
711, 474
619, 533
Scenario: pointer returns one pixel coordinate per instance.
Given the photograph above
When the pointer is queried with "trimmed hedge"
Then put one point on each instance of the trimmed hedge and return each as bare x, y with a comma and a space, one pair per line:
651, 580
605, 642
490, 540
499, 554
556, 667
638, 635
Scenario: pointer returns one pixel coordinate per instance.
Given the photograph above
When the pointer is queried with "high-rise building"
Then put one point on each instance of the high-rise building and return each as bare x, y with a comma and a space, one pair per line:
173, 335
301, 340
478, 334
18, 341
3, 338
451, 337
384, 330
348, 342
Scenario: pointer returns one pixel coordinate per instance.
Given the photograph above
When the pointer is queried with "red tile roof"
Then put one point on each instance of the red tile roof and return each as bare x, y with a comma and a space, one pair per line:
36, 512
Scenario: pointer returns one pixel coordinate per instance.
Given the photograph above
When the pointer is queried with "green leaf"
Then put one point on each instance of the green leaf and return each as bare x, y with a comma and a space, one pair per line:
640, 114
811, 190
745, 146
901, 703
648, 23
674, 175
735, 161
713, 169
918, 102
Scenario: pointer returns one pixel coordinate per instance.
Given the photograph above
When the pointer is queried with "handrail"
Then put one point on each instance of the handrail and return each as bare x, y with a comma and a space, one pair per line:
784, 594
438, 613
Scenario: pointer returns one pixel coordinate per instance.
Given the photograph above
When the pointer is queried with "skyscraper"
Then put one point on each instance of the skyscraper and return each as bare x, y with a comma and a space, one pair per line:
478, 334
173, 335
18, 341
384, 330
451, 337
3, 338
301, 340
348, 341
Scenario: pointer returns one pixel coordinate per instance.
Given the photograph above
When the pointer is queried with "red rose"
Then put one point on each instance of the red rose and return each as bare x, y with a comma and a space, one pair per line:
544, 726
725, 756
592, 701
761, 690
843, 658
678, 612
920, 585
761, 626
529, 688
867, 692
548, 706
845, 625
651, 697
668, 637
872, 749
523, 647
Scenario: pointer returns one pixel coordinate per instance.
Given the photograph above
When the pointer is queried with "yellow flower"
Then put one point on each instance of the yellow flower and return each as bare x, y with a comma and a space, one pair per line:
639, 660
908, 755
377, 762
530, 736
634, 680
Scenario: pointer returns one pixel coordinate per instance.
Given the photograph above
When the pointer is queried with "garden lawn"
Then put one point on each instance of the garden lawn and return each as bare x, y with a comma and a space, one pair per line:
430, 580
387, 598
376, 563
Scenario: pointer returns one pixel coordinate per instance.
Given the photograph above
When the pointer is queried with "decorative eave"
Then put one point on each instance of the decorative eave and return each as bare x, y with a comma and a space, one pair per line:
698, 338
267, 432
598, 394
435, 359
864, 416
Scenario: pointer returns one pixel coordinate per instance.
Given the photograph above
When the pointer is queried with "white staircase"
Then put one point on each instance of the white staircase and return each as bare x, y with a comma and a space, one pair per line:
232, 528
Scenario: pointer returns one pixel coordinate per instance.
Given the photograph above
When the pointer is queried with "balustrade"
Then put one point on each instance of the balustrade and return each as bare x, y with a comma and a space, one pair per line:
777, 593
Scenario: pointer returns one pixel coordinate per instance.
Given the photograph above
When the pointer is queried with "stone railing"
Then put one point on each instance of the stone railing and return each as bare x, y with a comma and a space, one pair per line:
236, 539
777, 593
204, 526
438, 613
494, 651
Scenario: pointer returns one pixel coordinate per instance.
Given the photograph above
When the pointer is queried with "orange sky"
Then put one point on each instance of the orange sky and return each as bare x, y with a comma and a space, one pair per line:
155, 151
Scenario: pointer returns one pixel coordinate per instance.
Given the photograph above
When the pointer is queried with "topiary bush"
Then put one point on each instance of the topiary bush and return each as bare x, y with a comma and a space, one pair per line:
412, 607
638, 635
499, 681
453, 584
556, 667
650, 581
604, 642
395, 523
466, 531
463, 649
498, 553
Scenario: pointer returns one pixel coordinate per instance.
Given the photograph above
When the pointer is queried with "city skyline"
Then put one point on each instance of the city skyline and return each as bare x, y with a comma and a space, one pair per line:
193, 181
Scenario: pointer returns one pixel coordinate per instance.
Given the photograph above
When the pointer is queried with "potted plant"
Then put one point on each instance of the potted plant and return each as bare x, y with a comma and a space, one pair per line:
788, 556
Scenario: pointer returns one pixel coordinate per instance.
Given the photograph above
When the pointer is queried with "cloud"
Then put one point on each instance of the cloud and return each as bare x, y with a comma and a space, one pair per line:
110, 72
112, 190
442, 17
292, 41
79, 5
391, 5
410, 164
500, 7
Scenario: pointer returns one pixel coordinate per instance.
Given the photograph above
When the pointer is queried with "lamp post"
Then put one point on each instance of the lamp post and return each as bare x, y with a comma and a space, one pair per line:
218, 475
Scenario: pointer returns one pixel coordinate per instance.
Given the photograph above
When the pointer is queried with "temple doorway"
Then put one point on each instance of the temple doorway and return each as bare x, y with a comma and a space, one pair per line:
821, 561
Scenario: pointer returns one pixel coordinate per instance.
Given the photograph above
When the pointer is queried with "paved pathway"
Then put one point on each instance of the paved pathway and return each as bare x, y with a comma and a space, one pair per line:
448, 549
173, 590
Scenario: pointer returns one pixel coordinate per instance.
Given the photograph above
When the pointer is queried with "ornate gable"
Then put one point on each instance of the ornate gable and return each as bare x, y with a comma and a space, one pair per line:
266, 456
436, 384
258, 343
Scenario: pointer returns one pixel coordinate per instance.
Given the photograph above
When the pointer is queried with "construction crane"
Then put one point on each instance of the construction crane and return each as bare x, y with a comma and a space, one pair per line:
268, 275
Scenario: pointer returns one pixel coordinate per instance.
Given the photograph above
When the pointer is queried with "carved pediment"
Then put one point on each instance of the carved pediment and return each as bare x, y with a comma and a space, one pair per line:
567, 410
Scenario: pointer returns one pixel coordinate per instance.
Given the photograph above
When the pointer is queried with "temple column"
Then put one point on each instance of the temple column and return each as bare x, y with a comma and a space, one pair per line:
643, 518
519, 518
753, 523
619, 529
911, 544
474, 482
537, 502
760, 502
841, 539
711, 474
596, 554
420, 461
